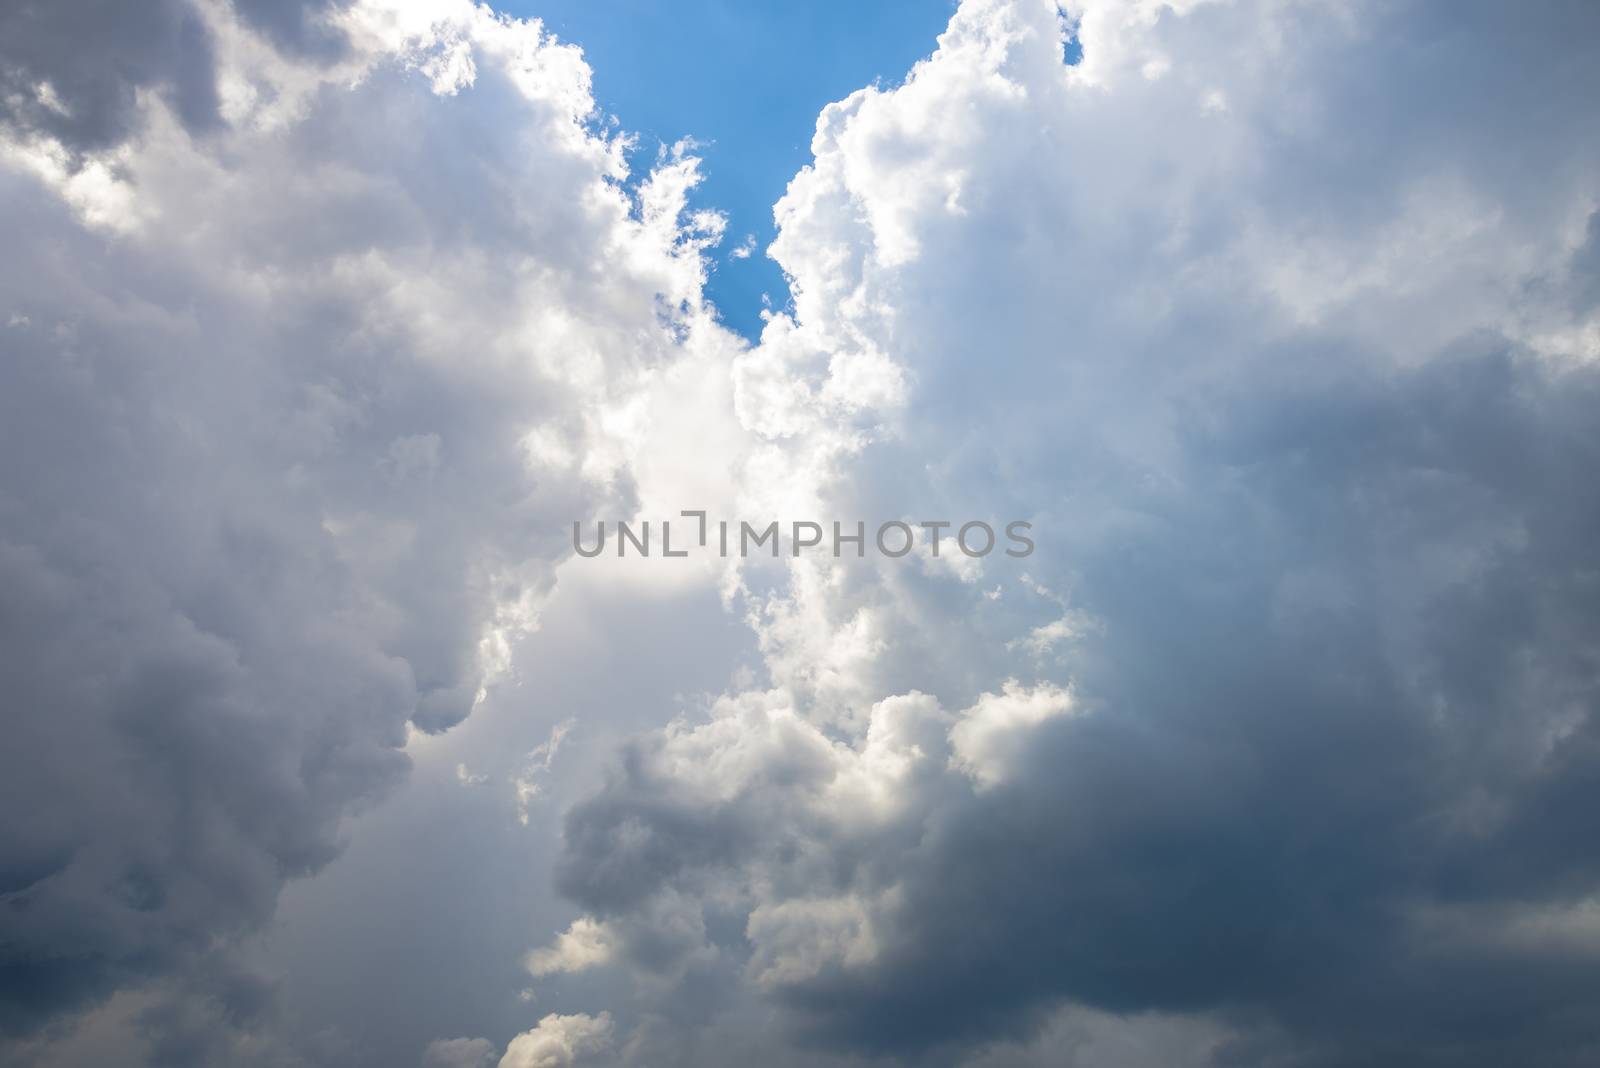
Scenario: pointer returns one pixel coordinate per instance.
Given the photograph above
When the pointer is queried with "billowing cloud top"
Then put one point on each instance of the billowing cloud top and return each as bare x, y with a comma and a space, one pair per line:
1279, 322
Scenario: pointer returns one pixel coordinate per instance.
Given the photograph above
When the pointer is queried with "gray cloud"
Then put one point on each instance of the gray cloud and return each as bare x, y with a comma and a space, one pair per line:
1284, 351
1285, 807
94, 56
459, 1053
1277, 320
268, 505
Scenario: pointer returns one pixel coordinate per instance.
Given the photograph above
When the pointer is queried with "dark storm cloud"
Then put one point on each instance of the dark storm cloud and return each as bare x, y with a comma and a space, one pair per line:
1272, 797
185, 720
299, 27
1586, 268
1264, 797
265, 507
1299, 387
1327, 774
96, 55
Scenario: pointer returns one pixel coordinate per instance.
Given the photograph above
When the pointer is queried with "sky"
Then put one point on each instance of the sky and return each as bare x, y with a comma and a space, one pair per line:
750, 111
1273, 327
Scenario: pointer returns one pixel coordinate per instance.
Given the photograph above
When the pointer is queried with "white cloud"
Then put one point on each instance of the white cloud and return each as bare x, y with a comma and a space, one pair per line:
267, 496
584, 945
796, 940
560, 1042
990, 735
1260, 313
1222, 310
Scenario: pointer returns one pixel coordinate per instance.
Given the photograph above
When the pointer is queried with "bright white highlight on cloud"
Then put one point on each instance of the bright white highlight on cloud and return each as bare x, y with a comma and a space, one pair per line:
560, 1042
583, 945
985, 741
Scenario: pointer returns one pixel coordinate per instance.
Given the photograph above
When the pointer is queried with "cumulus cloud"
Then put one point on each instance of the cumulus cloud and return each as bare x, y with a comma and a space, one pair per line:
1276, 321
987, 741
583, 945
560, 1042
279, 328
